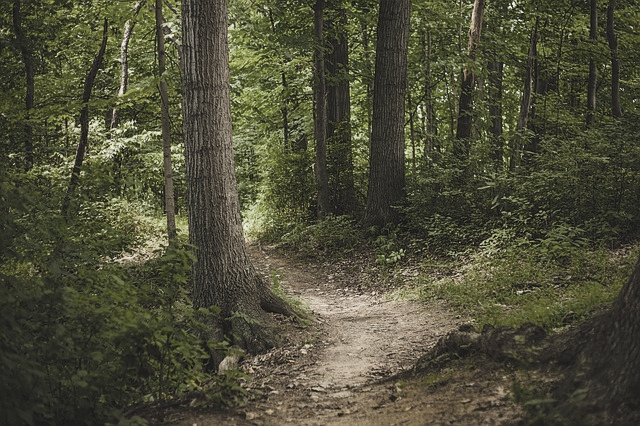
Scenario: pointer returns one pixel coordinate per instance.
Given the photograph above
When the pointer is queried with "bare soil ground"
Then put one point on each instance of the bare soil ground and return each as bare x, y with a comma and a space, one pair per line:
354, 364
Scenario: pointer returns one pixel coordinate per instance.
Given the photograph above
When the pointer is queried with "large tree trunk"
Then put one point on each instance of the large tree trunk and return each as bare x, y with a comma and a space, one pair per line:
386, 162
605, 357
84, 121
223, 274
465, 110
124, 61
169, 202
320, 122
339, 148
593, 71
616, 109
29, 73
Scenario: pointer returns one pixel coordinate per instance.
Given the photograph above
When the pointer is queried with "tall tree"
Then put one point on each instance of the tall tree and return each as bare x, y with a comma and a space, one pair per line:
339, 147
592, 85
124, 61
84, 120
169, 202
525, 99
386, 161
320, 122
616, 109
465, 110
29, 74
223, 274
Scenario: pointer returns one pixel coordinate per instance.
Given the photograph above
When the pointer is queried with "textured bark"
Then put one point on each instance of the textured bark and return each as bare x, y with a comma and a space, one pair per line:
124, 61
613, 356
29, 74
616, 109
386, 162
465, 109
84, 121
320, 122
223, 274
339, 146
169, 201
593, 71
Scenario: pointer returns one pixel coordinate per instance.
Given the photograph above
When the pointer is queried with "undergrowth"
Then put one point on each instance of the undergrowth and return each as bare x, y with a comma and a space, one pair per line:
524, 284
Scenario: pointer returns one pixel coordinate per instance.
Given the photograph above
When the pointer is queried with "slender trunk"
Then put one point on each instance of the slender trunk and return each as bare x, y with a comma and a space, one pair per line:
593, 71
322, 179
429, 116
616, 110
412, 131
124, 61
495, 68
368, 79
465, 110
525, 100
169, 201
339, 146
84, 121
29, 73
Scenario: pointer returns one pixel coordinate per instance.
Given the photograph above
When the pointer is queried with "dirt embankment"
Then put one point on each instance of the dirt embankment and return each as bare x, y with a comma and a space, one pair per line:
341, 369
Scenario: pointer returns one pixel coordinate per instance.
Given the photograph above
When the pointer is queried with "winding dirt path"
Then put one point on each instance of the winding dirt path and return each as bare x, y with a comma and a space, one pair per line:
338, 375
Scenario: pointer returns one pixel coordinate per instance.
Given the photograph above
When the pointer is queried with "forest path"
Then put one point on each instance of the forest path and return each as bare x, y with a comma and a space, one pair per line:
336, 374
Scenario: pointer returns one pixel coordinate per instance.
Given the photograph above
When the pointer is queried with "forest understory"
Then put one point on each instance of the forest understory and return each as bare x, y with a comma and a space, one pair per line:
358, 361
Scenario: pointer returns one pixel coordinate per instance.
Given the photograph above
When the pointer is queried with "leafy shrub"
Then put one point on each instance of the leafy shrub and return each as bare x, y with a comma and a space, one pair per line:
332, 236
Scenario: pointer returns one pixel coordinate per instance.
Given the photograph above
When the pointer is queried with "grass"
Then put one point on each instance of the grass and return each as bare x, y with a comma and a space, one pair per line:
519, 286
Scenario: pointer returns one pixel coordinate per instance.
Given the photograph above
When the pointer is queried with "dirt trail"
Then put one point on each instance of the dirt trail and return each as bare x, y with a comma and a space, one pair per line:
335, 376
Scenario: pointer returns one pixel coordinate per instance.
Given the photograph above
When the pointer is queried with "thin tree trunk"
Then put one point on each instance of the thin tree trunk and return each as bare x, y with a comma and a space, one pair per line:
495, 68
169, 201
124, 61
525, 101
368, 74
386, 162
465, 110
84, 121
339, 146
320, 128
593, 71
616, 110
430, 128
29, 73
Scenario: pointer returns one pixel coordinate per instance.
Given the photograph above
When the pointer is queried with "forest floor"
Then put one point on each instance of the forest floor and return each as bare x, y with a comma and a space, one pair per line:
354, 363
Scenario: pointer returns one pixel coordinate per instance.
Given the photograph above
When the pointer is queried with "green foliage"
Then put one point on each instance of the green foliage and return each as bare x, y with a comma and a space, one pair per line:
84, 333
333, 236
524, 283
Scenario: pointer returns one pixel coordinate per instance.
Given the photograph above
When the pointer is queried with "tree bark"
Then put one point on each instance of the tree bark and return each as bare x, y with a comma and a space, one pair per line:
169, 201
616, 110
525, 100
84, 121
223, 274
29, 74
124, 61
339, 147
593, 71
320, 123
386, 162
465, 110
495, 68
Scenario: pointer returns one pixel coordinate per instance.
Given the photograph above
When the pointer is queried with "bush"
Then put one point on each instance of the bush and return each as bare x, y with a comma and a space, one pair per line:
330, 237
